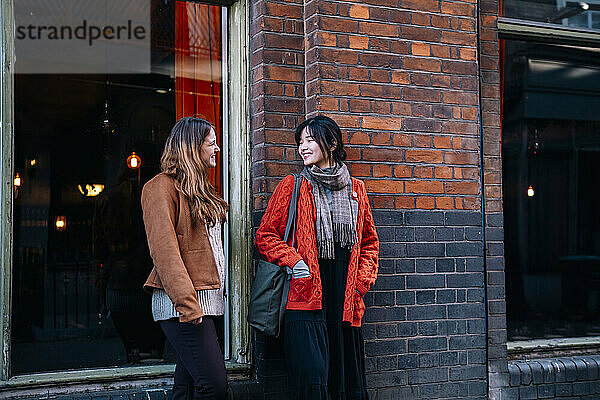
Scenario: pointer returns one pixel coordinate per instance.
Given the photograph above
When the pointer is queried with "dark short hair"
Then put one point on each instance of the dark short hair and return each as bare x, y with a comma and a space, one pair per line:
327, 134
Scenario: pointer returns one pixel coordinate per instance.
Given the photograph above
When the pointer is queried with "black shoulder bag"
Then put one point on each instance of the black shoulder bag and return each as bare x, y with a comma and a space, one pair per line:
271, 286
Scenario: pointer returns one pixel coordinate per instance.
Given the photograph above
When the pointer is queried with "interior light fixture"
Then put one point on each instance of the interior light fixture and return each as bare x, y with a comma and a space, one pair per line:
530, 191
18, 182
91, 190
60, 223
134, 161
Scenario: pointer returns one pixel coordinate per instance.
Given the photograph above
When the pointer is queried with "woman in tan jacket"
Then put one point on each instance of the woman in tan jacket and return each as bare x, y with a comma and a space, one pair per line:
183, 217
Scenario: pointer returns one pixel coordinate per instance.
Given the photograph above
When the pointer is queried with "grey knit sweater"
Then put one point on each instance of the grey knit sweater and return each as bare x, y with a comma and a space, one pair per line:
211, 301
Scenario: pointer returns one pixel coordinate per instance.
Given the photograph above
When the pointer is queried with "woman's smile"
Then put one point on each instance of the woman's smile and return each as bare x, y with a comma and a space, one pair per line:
311, 152
209, 150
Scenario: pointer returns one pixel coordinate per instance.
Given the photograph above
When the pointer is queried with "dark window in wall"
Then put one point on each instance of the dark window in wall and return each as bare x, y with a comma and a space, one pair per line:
80, 251
568, 13
551, 182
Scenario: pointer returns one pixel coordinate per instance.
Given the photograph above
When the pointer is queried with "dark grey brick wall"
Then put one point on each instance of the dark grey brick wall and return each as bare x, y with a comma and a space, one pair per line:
424, 329
425, 322
496, 306
550, 378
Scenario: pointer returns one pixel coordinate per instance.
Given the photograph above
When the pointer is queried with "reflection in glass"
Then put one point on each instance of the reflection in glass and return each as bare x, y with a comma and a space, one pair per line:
577, 14
84, 147
551, 145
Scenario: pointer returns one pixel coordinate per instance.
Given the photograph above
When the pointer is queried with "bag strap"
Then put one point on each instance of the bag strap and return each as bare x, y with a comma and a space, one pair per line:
283, 304
291, 221
289, 227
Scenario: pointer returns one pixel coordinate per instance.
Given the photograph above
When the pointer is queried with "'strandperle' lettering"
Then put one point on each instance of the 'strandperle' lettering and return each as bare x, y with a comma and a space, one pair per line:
81, 32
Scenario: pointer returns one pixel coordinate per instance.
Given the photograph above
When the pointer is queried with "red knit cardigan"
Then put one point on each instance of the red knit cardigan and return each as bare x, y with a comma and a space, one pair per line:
305, 293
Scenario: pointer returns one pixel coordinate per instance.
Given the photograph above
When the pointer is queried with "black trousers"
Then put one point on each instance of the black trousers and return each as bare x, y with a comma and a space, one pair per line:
325, 356
200, 371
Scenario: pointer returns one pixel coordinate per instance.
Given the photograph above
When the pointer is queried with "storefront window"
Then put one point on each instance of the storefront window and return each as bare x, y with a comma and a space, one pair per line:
576, 14
551, 170
87, 138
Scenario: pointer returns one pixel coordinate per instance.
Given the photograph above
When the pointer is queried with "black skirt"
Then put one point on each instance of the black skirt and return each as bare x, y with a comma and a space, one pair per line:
324, 355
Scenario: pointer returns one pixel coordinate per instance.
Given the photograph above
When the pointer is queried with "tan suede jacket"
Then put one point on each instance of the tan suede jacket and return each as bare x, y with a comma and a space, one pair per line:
181, 252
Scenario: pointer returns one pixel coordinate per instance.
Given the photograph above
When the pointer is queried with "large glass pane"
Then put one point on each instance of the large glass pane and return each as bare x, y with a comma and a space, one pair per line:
578, 14
551, 170
85, 144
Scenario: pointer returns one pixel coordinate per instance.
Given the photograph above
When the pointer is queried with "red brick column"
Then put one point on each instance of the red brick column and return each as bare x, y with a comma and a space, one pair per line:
402, 84
492, 163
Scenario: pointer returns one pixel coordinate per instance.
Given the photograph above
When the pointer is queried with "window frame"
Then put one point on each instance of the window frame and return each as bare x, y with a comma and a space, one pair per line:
521, 29
533, 31
237, 189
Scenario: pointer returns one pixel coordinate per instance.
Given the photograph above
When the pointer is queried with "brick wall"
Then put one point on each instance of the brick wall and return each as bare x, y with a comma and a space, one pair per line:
277, 91
401, 81
401, 77
492, 177
425, 324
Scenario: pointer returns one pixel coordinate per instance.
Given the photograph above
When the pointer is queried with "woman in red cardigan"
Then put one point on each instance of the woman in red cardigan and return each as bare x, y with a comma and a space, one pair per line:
334, 262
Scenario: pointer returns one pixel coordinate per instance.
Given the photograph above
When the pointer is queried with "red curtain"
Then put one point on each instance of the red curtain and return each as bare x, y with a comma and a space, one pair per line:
198, 68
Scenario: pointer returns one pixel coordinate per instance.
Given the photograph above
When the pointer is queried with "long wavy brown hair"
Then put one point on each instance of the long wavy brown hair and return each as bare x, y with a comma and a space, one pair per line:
181, 160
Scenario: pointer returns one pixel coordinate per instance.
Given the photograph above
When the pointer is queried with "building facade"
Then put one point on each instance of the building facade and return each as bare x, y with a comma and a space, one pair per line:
473, 124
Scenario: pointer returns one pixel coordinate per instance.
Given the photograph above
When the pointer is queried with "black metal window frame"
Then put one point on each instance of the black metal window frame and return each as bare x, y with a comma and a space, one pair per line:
533, 31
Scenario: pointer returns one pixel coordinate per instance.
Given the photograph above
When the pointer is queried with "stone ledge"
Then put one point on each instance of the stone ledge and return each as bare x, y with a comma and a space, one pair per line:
554, 370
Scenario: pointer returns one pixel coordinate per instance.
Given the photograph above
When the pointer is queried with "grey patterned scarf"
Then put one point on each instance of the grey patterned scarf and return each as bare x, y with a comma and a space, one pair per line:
336, 223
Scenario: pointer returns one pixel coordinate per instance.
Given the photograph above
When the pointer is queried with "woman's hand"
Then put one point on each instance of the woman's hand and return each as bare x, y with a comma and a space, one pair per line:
197, 321
300, 270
